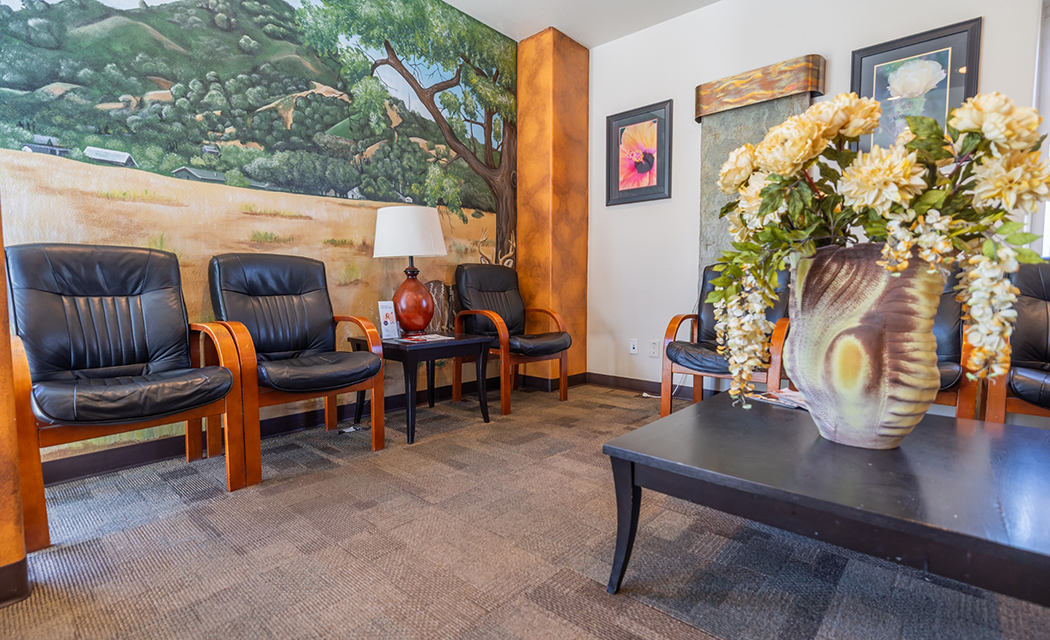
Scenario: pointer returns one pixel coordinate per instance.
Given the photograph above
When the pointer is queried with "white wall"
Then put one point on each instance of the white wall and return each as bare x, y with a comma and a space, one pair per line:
644, 257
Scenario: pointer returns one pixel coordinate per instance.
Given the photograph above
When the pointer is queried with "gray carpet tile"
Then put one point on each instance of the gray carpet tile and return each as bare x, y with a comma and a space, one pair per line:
499, 530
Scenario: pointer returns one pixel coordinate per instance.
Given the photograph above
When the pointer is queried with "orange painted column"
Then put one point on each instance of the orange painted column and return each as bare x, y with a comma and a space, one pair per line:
553, 86
14, 579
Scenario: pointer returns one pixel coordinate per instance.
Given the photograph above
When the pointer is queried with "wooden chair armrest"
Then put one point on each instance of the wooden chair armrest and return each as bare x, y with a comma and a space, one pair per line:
675, 325
242, 341
553, 314
23, 387
375, 343
225, 347
501, 327
776, 353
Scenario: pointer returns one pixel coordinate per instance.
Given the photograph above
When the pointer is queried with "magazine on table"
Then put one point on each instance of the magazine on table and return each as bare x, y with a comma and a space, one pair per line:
782, 397
428, 337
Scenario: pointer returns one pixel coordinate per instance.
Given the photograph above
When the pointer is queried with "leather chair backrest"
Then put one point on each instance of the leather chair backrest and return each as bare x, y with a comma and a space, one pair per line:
494, 288
1031, 337
282, 300
948, 324
86, 311
706, 310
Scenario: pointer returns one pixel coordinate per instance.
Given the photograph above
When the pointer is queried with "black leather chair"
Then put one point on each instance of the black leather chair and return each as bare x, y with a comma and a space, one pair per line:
1026, 388
956, 389
102, 346
699, 356
493, 306
278, 310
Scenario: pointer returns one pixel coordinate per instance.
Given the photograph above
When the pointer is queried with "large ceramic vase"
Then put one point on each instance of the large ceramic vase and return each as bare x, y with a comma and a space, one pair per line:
861, 347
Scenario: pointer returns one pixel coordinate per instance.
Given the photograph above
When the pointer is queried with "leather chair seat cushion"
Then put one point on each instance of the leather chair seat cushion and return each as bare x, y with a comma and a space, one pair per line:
1031, 385
127, 399
699, 356
319, 372
539, 344
951, 374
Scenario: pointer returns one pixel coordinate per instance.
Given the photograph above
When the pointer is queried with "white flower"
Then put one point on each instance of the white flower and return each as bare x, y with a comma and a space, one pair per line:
915, 77
988, 297
751, 202
997, 118
737, 169
790, 145
743, 330
1015, 180
882, 178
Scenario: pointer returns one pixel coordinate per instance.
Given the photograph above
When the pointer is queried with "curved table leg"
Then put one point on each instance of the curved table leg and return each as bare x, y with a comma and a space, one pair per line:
431, 364
411, 368
628, 498
359, 407
482, 362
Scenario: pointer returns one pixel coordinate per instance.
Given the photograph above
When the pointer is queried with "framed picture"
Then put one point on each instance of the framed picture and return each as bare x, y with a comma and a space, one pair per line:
388, 321
638, 154
927, 74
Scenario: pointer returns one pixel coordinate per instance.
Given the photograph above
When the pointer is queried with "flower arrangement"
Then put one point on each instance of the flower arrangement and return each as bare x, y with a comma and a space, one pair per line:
942, 195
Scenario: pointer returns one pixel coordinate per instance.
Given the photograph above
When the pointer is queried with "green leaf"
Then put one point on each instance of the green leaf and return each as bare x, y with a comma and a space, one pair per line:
989, 248
925, 127
1009, 227
729, 208
1028, 256
970, 142
714, 296
952, 131
929, 200
1021, 238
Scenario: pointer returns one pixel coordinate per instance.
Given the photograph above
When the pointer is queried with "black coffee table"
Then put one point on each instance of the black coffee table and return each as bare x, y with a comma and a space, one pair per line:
964, 499
410, 354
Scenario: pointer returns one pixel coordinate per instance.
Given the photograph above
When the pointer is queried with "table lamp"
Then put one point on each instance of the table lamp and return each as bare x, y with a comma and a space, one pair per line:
411, 231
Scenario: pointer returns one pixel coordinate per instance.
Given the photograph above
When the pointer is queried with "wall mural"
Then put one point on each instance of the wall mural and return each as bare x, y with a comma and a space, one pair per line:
210, 126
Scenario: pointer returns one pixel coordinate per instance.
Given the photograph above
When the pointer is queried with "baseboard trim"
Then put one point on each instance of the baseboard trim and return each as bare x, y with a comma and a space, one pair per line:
548, 384
642, 386
142, 453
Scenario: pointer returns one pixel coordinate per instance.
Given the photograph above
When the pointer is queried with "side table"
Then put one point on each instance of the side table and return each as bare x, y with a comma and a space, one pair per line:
410, 354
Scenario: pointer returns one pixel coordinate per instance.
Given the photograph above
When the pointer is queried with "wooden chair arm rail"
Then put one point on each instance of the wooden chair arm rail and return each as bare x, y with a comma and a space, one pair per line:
553, 314
245, 349
225, 346
375, 343
675, 324
501, 327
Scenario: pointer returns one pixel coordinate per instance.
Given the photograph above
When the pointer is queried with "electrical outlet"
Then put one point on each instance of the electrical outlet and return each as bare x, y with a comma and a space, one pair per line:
654, 349
634, 346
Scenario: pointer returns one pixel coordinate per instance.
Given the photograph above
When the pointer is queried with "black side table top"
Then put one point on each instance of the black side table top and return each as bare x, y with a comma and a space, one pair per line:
981, 481
403, 345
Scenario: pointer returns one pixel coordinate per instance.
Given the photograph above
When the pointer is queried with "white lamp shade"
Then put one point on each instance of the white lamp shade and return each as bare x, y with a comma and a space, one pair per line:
408, 231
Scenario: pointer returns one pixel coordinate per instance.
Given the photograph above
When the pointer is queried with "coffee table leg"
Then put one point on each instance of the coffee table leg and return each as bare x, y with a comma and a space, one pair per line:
628, 498
483, 396
411, 367
430, 382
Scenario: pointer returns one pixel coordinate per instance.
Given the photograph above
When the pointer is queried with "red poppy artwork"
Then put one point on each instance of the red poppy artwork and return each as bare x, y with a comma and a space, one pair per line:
638, 155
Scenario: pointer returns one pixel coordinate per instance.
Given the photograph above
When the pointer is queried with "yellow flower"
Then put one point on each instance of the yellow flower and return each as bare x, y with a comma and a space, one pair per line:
882, 178
751, 202
737, 169
831, 115
1016, 180
864, 114
998, 119
790, 145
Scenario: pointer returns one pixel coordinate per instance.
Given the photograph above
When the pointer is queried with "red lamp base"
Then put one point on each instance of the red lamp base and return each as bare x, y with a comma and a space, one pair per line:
413, 304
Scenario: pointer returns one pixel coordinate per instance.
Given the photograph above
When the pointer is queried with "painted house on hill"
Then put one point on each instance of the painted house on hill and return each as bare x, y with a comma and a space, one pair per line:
45, 148
207, 175
109, 156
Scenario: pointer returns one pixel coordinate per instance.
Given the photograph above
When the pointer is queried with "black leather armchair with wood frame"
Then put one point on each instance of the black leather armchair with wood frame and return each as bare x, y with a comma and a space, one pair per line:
493, 306
280, 315
699, 356
1026, 388
102, 346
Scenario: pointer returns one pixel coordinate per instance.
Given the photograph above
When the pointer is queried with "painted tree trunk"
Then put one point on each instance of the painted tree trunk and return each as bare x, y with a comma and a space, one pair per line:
861, 347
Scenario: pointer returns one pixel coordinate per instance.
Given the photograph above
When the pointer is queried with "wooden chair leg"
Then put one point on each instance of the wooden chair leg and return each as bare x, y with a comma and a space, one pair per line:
666, 388
995, 404
30, 469
504, 387
698, 388
236, 446
213, 430
563, 376
252, 436
378, 415
194, 440
457, 379
514, 378
331, 412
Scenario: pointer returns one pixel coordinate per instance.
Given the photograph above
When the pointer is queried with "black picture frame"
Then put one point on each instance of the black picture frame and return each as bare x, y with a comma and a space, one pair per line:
959, 43
615, 126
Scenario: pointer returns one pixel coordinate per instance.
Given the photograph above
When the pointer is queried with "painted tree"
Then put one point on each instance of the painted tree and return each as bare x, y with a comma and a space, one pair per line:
473, 104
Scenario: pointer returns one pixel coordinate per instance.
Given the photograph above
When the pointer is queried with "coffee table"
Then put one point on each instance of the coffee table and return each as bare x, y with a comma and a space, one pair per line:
410, 354
964, 499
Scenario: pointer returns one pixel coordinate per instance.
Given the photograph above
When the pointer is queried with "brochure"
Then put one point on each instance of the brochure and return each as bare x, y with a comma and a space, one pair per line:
428, 337
389, 327
783, 397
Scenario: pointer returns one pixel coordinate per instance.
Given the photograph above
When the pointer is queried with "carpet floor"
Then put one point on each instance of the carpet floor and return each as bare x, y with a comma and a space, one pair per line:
499, 530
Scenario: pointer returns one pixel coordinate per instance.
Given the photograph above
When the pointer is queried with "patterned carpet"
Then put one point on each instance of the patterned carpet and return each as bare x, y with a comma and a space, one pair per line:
502, 530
